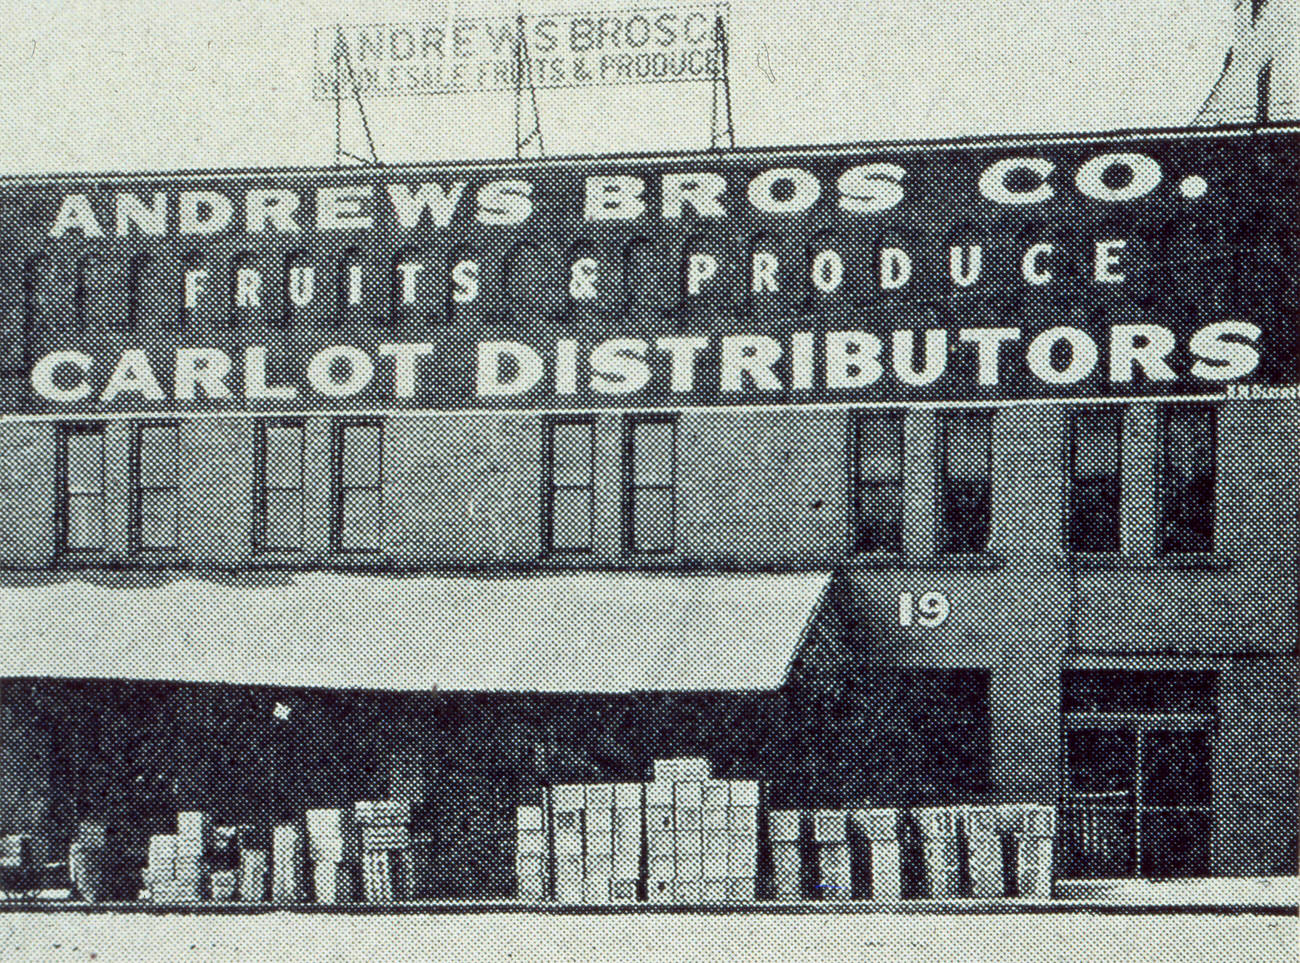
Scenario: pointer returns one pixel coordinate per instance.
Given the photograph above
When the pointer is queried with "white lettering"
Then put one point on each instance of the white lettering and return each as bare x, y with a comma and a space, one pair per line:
753, 354
75, 213
1219, 359
1143, 176
614, 198
43, 382
852, 359
505, 202
682, 352
936, 356
201, 367
1083, 356
988, 342
994, 180
870, 188
441, 203
618, 366
701, 191
325, 364
339, 208
1156, 343
133, 374
204, 212
148, 220
404, 357
255, 385
527, 364
271, 206
805, 189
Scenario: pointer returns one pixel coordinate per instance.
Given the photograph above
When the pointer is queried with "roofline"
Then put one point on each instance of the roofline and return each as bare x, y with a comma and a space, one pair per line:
508, 164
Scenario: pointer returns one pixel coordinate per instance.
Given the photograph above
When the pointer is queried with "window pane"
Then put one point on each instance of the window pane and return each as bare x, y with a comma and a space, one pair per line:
158, 519
361, 455
159, 453
1096, 443
880, 454
968, 437
85, 461
571, 519
283, 456
966, 516
652, 520
1189, 480
1101, 764
361, 523
1176, 845
283, 519
652, 453
1176, 768
880, 518
85, 522
1094, 515
571, 454
1120, 690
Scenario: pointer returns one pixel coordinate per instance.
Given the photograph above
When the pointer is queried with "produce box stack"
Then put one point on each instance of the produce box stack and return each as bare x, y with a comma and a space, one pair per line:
660, 842
629, 819
160, 872
981, 828
716, 846
940, 850
385, 827
1034, 830
874, 832
598, 841
532, 854
254, 870
688, 841
785, 831
224, 863
830, 837
567, 805
193, 844
332, 846
288, 864
742, 839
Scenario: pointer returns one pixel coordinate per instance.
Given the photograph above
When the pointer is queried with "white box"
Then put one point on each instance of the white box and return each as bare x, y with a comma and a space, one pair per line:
785, 825
194, 825
715, 890
714, 866
742, 890
715, 842
881, 824
679, 770
569, 889
689, 866
742, 864
596, 892
627, 822
687, 820
531, 889
658, 794
658, 842
599, 795
829, 826
688, 795
162, 852
527, 841
742, 820
659, 819
716, 794
599, 866
714, 820
689, 842
529, 819
742, 844
687, 891
326, 824
599, 822
628, 795
333, 882
569, 864
623, 890
661, 866
328, 850
568, 798
659, 890
530, 864
627, 863
744, 792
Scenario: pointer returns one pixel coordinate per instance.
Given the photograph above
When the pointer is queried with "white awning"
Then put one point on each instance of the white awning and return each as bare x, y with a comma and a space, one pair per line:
580, 632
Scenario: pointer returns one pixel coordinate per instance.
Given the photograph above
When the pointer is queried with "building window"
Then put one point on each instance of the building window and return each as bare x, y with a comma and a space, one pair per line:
650, 467
878, 481
965, 475
570, 492
81, 488
155, 488
279, 470
1187, 478
358, 521
1094, 465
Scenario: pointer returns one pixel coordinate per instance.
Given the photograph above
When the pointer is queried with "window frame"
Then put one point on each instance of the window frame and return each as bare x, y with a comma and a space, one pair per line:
338, 491
1075, 481
857, 484
262, 490
946, 419
135, 523
1165, 492
630, 488
550, 486
65, 495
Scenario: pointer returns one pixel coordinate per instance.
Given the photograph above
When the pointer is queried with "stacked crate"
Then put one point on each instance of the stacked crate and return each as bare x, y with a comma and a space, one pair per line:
875, 832
288, 864
786, 835
567, 805
982, 831
660, 842
254, 872
532, 854
598, 843
1032, 829
331, 846
940, 851
716, 848
831, 841
742, 839
385, 841
628, 833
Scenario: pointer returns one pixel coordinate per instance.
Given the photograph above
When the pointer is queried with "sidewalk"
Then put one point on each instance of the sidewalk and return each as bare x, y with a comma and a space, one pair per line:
1271, 896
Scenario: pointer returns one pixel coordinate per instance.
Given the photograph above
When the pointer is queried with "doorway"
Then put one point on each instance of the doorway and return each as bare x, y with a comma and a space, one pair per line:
1137, 785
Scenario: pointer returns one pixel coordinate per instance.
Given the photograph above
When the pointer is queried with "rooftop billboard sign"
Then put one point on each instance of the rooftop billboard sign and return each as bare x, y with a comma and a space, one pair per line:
1088, 267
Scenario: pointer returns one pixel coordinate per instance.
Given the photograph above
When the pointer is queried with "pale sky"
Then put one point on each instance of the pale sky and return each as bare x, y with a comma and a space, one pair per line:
161, 84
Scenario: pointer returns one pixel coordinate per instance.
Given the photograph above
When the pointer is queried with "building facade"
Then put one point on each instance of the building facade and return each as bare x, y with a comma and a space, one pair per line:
996, 500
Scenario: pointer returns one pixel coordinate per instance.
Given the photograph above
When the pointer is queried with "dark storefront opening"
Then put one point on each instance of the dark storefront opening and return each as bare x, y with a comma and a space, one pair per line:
1138, 750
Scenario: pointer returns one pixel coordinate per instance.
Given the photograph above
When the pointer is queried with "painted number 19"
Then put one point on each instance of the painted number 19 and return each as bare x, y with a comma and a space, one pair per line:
928, 609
